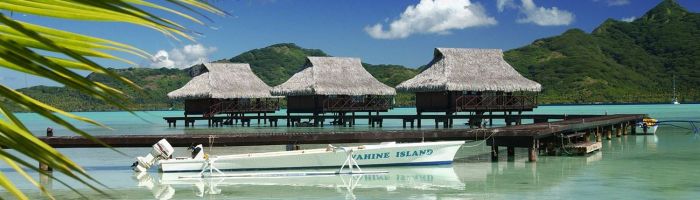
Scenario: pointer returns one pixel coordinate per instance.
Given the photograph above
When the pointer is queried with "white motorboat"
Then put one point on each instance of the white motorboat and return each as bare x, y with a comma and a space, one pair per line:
383, 154
647, 126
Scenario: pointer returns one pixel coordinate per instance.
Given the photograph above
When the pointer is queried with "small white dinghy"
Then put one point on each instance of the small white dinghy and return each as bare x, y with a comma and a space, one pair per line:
384, 154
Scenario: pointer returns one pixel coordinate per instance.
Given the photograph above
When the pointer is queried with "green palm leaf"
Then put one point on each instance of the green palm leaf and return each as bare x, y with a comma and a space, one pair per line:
22, 47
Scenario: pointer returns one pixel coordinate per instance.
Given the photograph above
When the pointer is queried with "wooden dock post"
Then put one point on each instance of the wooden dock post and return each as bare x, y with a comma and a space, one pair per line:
353, 118
419, 120
608, 132
450, 121
511, 152
624, 128
43, 166
597, 134
587, 136
618, 130
494, 153
532, 154
288, 119
264, 116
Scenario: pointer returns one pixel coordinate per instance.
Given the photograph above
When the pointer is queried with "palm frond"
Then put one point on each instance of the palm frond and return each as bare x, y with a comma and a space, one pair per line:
23, 48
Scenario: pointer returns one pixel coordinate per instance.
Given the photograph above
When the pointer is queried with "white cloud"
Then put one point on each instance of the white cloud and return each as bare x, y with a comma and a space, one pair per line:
182, 57
615, 2
629, 19
544, 16
503, 4
433, 17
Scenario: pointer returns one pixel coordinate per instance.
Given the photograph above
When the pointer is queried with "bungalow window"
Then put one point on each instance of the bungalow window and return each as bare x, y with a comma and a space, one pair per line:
244, 102
358, 99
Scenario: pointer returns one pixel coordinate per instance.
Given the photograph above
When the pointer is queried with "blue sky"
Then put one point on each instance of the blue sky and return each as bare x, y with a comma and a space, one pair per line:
358, 28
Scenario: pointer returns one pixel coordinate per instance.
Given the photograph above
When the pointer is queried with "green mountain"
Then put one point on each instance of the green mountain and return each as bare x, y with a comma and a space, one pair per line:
156, 83
619, 61
273, 64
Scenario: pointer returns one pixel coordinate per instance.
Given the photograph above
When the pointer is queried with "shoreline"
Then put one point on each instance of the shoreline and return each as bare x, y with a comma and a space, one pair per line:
560, 104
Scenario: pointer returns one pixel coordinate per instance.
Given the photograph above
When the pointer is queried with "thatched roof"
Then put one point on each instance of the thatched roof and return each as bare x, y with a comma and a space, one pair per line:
454, 69
332, 76
222, 81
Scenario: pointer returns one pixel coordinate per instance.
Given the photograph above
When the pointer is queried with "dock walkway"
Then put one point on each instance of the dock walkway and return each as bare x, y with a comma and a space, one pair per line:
373, 120
531, 136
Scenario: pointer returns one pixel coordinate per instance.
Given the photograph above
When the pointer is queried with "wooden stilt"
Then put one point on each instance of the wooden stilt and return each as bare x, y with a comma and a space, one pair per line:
494, 153
353, 118
587, 136
532, 154
419, 120
44, 166
511, 151
608, 132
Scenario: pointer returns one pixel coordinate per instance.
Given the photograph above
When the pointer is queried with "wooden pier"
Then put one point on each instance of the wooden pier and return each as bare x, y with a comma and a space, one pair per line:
535, 137
373, 120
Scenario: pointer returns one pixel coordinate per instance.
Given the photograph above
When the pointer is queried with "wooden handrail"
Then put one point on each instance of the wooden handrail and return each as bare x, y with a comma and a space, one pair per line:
494, 102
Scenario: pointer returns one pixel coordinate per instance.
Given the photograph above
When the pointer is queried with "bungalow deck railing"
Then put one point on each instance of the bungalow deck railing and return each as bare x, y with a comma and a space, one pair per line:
228, 106
350, 104
495, 102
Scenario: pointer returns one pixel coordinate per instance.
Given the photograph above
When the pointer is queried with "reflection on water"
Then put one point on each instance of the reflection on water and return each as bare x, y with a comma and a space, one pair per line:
415, 179
661, 166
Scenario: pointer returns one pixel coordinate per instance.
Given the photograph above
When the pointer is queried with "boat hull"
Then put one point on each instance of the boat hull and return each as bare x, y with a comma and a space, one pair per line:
427, 153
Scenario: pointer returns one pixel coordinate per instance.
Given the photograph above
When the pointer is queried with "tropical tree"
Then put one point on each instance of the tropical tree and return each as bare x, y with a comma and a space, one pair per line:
57, 55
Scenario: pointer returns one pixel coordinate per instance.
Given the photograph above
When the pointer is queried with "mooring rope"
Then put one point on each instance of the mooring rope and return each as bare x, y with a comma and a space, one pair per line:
211, 143
562, 145
482, 141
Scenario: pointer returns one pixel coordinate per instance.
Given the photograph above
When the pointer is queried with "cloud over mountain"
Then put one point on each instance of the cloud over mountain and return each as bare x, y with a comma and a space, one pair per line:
433, 17
182, 57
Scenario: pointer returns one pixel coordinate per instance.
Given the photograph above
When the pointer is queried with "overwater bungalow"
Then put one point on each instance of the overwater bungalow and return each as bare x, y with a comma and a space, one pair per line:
471, 80
334, 85
225, 88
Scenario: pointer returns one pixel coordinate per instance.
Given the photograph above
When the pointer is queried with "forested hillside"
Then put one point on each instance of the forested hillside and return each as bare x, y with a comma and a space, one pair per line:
619, 62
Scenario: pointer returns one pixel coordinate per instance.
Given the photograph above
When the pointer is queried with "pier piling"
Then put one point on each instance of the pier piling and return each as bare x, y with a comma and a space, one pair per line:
511, 151
532, 154
494, 153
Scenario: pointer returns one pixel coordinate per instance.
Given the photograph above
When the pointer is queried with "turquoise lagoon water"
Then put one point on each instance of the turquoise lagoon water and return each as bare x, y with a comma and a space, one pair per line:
661, 166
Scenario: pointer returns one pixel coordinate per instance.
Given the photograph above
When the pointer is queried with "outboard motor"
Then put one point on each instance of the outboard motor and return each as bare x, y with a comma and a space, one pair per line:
161, 150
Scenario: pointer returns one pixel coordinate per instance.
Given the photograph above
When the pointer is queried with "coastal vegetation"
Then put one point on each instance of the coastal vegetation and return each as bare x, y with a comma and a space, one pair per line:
620, 62
55, 54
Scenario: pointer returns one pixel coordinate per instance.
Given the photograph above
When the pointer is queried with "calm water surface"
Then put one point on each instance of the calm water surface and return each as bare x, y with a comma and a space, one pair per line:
661, 166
